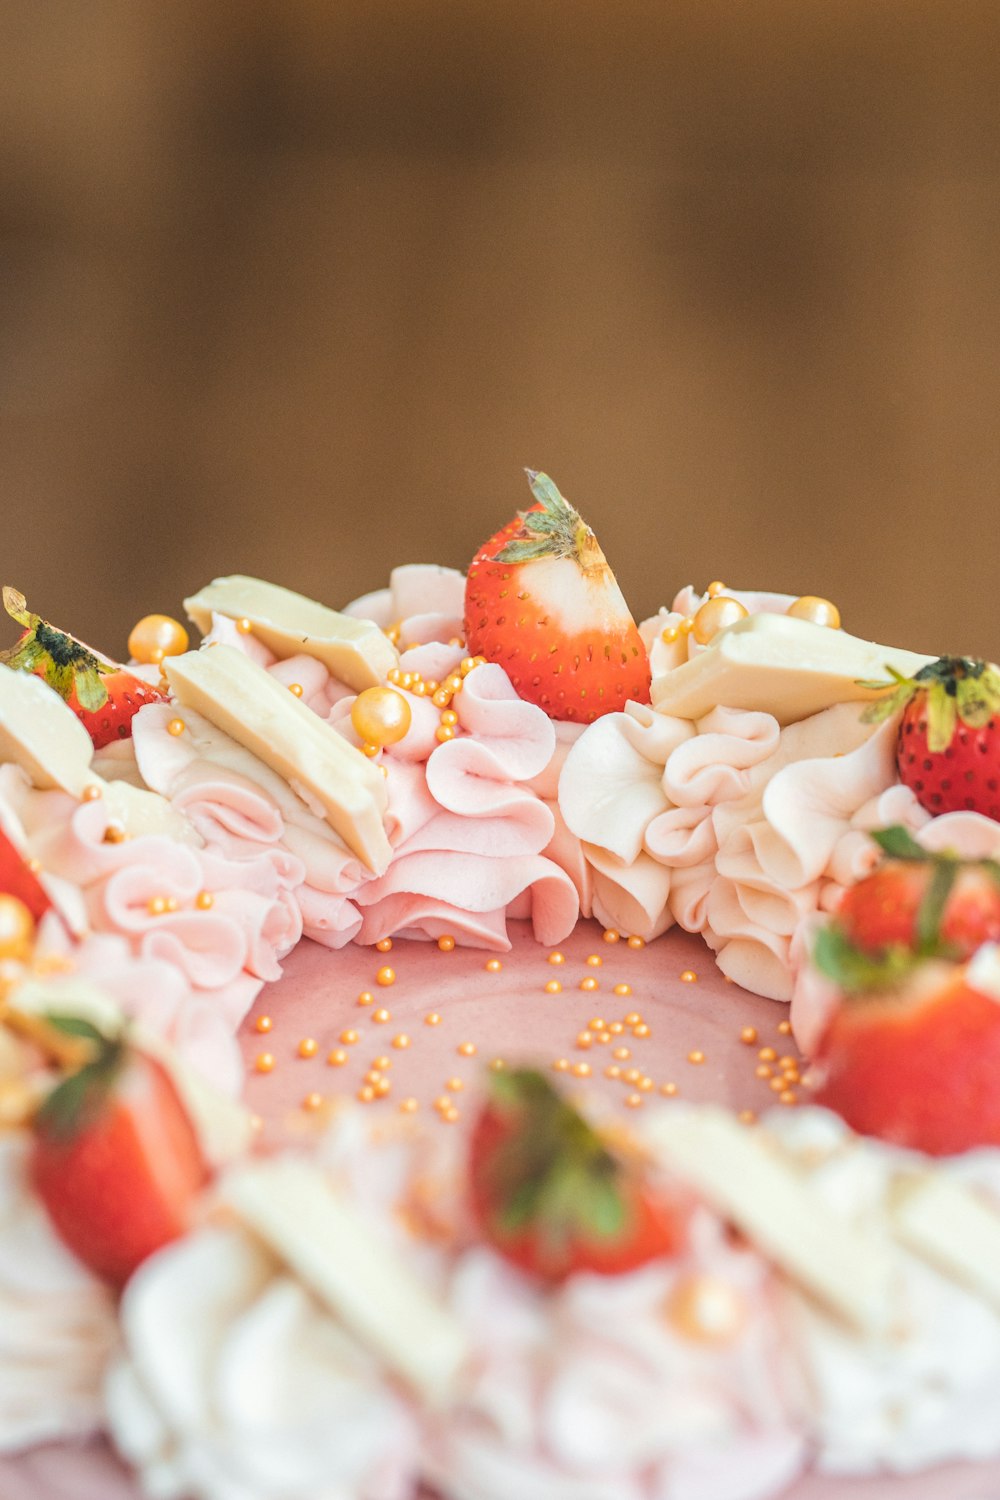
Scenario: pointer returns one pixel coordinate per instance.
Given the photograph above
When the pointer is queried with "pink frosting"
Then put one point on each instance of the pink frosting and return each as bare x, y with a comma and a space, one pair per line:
474, 843
191, 972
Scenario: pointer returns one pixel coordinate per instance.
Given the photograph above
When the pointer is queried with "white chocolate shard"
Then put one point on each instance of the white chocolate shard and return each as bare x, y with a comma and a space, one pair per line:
781, 665
137, 811
355, 651
954, 1228
292, 1207
42, 736
241, 698
847, 1270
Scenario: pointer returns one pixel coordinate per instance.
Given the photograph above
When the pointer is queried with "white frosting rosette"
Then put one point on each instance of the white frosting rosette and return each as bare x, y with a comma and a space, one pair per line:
592, 1391
57, 1322
927, 1390
237, 1385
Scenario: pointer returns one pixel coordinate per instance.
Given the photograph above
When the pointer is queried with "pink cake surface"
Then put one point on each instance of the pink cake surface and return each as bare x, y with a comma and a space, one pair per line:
506, 1013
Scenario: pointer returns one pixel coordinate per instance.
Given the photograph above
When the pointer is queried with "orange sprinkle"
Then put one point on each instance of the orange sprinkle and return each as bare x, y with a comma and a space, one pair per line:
748, 1035
581, 1070
669, 1089
597, 1024
633, 1018
623, 989
264, 1062
337, 1058
312, 1101
688, 976
610, 935
557, 958
637, 942
408, 1106
384, 945
380, 1016
204, 900
366, 1093
348, 1038
616, 1028
443, 1101
454, 1085
466, 1049
401, 1042
308, 1047
634, 1101
493, 965
762, 1071
622, 1053
787, 1096
697, 1056
641, 1031
561, 1065
594, 960
584, 1040
588, 984
612, 1071
366, 998
497, 1065
450, 1116
784, 1028
385, 976
433, 1019
446, 944
553, 987
263, 1023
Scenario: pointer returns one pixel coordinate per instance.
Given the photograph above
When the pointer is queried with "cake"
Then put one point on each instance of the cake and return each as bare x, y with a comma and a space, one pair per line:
384, 890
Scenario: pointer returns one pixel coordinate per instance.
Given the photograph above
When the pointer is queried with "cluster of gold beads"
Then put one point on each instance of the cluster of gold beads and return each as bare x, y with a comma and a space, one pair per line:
721, 610
445, 692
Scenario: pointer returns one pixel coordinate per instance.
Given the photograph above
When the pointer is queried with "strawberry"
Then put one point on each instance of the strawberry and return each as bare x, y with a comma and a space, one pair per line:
541, 601
922, 903
104, 696
948, 750
916, 1063
116, 1160
17, 878
550, 1194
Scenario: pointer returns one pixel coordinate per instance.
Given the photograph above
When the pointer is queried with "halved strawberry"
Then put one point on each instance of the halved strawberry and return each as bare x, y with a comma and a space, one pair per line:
17, 878
104, 696
921, 902
542, 602
916, 1063
552, 1196
116, 1159
948, 750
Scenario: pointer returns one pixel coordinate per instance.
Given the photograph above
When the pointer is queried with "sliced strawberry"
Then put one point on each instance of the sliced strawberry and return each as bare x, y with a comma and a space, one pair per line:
948, 750
17, 878
116, 1159
918, 1063
551, 1195
542, 602
922, 903
105, 697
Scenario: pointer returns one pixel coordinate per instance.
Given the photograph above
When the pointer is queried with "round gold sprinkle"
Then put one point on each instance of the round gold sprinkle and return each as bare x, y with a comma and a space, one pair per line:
408, 1106
623, 989
349, 1037
621, 1053
401, 1042
308, 1047
669, 1089
446, 943
384, 945
611, 936
696, 1056
336, 1058
432, 1019
380, 1016
263, 1023
594, 960
312, 1102
557, 958
634, 1101
385, 976
493, 965
264, 1062
581, 1070
561, 1065
688, 976
589, 984
366, 998
748, 1035
466, 1049
553, 987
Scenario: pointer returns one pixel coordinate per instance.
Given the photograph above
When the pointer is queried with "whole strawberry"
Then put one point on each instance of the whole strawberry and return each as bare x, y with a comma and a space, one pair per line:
116, 1159
542, 602
916, 1061
948, 750
551, 1195
104, 696
918, 903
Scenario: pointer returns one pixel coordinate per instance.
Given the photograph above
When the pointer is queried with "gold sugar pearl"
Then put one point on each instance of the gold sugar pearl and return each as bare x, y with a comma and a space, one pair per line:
553, 987
787, 1096
264, 1062
788, 1062
204, 900
446, 944
263, 1023
156, 906
384, 945
561, 1065
636, 942
312, 1102
380, 1017
641, 1031
295, 688
381, 716
441, 698
612, 1071
497, 1065
156, 636
557, 958
748, 1035
444, 733
668, 634
696, 1056
611, 936
308, 1047
706, 1310
633, 1018
623, 989
176, 727
373, 1076
688, 976
584, 1040
453, 683
646, 1084
443, 1101
594, 960
668, 1089
449, 718
596, 1023
17, 929
493, 965
365, 998
408, 1106
784, 1028
349, 1037
715, 588
776, 1085
622, 1053
715, 615
634, 1101
747, 1117
450, 1116
433, 1019
686, 626
767, 1054
92, 793
581, 1070
383, 1088
762, 1071
466, 1049
385, 976
454, 1085
369, 750
336, 1058
616, 1028
383, 1063
632, 1075
817, 610
589, 983
366, 1093
244, 626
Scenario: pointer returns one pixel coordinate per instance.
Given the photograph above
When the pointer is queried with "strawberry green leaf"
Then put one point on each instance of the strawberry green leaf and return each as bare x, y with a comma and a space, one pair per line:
898, 843
547, 495
91, 692
80, 1100
77, 1026
932, 906
855, 972
942, 717
518, 552
16, 606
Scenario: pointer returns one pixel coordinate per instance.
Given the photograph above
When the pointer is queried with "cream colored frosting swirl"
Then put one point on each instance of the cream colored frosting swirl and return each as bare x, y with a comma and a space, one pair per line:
57, 1323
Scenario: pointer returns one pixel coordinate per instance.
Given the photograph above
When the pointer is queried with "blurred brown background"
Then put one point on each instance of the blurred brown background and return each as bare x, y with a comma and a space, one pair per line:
296, 287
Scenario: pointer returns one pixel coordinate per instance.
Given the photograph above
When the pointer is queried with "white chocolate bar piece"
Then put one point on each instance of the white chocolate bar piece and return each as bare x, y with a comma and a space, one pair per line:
42, 736
952, 1227
784, 666
292, 1207
732, 1167
355, 651
241, 698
